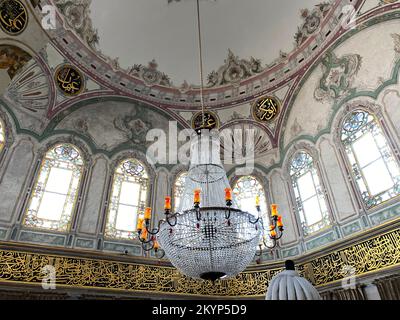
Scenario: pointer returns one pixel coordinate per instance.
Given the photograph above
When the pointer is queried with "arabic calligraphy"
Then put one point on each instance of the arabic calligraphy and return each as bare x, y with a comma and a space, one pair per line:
13, 16
69, 80
210, 121
377, 253
266, 109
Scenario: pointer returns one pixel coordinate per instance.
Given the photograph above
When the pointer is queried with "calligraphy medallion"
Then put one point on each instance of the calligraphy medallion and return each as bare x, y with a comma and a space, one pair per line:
211, 120
13, 17
266, 109
69, 80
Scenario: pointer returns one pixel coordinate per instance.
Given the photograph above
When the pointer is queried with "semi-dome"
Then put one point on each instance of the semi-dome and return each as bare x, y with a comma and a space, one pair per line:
288, 285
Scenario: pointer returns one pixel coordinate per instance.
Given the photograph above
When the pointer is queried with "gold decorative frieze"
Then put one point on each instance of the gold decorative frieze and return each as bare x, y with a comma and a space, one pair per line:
377, 253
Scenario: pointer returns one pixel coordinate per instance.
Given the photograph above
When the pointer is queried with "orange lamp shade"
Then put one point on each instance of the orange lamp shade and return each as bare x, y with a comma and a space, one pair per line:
139, 226
274, 210
147, 213
271, 227
143, 235
257, 201
228, 194
167, 205
279, 223
273, 233
156, 245
197, 196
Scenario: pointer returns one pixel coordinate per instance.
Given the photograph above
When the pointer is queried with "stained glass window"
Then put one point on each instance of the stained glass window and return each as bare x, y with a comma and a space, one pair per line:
55, 192
2, 135
128, 199
179, 189
310, 199
373, 164
245, 190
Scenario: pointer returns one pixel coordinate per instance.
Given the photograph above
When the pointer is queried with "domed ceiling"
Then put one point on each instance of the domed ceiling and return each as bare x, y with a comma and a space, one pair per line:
148, 50
166, 30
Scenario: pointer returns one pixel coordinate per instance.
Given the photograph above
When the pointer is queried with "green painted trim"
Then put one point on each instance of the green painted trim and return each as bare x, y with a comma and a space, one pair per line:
339, 103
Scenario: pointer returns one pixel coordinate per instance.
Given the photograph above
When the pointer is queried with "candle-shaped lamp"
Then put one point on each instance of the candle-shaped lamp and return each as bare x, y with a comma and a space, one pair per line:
167, 205
274, 210
273, 234
147, 214
279, 223
228, 194
197, 196
156, 245
139, 226
143, 234
257, 201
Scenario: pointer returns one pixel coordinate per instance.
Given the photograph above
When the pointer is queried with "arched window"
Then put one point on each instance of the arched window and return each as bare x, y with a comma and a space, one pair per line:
55, 192
2, 135
374, 167
310, 199
128, 199
246, 189
179, 189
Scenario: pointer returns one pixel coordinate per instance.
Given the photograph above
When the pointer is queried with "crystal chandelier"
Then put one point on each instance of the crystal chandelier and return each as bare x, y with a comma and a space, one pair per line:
208, 237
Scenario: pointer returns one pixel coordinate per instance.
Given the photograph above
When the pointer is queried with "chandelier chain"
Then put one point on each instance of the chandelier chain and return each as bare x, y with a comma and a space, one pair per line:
200, 63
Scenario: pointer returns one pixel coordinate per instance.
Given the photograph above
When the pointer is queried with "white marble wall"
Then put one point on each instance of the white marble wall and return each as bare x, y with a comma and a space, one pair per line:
18, 170
336, 181
90, 218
